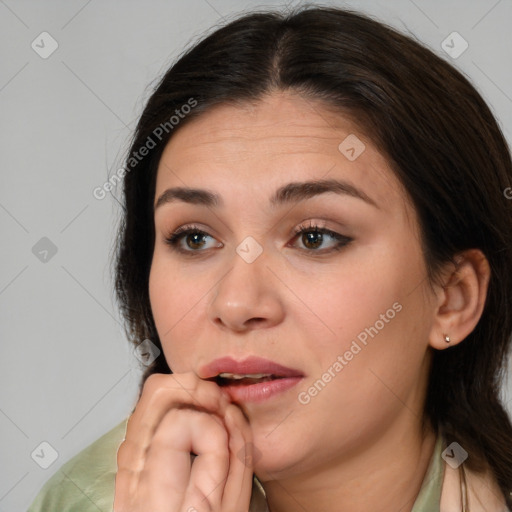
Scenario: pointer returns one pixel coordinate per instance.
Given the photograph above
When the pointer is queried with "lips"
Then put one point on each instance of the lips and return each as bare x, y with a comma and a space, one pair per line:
250, 366
253, 379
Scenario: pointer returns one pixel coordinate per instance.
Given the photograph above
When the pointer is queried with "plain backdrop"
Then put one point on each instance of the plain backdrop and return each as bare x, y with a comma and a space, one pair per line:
67, 373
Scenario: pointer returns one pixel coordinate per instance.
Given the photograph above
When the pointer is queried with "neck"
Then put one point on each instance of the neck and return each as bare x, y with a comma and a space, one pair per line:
386, 475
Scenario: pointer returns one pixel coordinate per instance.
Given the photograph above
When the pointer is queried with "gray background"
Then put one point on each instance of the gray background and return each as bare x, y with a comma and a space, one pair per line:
67, 373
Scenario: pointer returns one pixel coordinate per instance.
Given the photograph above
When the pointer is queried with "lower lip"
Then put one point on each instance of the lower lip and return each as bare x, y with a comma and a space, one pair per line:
261, 391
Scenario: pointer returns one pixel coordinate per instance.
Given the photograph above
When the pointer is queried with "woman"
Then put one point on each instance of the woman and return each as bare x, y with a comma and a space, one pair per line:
317, 239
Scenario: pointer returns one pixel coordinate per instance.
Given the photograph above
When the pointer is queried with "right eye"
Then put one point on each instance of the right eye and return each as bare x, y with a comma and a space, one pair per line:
193, 237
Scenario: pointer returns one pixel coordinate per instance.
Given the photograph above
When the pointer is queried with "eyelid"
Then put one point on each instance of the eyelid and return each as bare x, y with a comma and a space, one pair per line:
342, 240
174, 238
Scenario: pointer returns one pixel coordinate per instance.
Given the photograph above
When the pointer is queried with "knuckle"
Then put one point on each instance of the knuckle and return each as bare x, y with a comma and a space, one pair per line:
170, 421
188, 381
237, 417
153, 383
121, 455
123, 476
217, 432
124, 456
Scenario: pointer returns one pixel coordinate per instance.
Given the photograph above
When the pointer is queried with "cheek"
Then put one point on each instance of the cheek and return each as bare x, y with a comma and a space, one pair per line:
175, 304
372, 313
362, 292
350, 402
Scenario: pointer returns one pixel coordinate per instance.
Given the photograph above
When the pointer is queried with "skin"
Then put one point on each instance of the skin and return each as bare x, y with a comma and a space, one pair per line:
357, 444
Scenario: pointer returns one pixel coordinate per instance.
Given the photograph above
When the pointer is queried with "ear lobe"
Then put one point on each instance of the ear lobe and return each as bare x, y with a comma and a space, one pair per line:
462, 299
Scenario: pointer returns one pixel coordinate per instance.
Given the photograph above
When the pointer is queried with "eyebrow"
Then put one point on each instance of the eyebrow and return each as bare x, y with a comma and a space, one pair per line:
289, 193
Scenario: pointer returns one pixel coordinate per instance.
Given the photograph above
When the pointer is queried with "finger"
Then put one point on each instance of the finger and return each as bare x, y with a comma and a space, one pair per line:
162, 481
238, 488
210, 467
161, 393
166, 472
123, 488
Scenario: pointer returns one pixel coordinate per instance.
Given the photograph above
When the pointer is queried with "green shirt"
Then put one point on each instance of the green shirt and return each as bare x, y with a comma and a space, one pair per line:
86, 482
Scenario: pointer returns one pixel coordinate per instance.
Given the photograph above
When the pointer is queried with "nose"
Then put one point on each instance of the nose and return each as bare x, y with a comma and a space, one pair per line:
247, 296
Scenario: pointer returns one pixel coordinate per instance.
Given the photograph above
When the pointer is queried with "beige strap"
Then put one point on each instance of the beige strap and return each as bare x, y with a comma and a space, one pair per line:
463, 489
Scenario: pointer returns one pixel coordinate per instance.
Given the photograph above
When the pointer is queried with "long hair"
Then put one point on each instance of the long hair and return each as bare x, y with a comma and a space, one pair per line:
441, 141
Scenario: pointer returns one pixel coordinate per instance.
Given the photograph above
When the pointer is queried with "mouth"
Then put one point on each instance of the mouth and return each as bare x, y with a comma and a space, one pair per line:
234, 379
251, 380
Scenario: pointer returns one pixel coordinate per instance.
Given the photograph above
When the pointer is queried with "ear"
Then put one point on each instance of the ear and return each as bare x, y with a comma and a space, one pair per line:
461, 299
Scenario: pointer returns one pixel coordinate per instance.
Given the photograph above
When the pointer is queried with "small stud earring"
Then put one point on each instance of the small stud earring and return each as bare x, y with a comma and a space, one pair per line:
446, 338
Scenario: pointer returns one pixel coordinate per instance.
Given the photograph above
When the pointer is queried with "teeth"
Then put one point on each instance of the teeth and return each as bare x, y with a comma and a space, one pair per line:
237, 376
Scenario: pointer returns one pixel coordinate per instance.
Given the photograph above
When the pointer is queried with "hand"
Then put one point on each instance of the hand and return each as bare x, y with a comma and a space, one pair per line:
178, 415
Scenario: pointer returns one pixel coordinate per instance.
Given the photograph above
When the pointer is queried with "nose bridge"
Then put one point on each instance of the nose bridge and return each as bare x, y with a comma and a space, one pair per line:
247, 265
246, 292
250, 231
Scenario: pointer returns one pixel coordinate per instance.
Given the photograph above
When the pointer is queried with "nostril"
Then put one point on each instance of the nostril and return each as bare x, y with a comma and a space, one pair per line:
255, 320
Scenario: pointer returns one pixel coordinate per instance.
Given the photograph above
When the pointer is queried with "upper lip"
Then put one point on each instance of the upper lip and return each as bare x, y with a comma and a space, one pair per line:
250, 365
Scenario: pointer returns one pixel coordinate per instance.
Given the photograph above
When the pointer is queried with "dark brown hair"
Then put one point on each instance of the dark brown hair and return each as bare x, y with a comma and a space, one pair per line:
439, 137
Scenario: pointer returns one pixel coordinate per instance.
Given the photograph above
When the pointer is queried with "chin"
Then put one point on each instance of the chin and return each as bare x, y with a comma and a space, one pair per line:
273, 462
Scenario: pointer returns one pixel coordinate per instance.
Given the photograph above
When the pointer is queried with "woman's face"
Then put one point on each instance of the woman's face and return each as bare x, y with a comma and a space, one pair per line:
351, 315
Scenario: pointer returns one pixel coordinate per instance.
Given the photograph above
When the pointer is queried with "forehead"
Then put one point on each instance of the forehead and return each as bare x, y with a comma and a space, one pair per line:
280, 138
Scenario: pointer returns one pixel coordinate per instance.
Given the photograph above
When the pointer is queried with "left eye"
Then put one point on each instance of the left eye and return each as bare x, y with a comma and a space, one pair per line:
312, 236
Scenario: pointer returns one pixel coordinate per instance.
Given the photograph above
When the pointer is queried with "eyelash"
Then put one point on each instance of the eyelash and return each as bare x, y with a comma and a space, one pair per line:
174, 238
